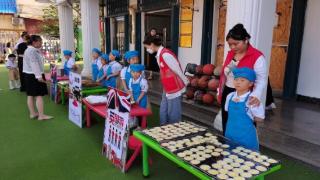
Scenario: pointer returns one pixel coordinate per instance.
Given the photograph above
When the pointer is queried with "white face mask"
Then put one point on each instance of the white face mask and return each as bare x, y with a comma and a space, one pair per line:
150, 51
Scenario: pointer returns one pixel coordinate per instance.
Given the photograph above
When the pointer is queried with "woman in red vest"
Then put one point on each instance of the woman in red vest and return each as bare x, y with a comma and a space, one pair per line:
241, 54
173, 80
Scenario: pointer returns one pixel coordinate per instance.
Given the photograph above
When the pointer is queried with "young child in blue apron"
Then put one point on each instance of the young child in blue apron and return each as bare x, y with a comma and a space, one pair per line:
138, 85
69, 63
240, 124
102, 72
114, 69
131, 57
96, 64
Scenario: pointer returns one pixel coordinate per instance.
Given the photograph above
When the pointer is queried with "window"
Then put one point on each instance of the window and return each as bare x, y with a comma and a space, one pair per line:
186, 23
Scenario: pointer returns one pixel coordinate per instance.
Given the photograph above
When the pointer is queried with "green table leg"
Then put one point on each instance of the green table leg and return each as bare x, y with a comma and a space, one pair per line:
145, 158
260, 178
62, 95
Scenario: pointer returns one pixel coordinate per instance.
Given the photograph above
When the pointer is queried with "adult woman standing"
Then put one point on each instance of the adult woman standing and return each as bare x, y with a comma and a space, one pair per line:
152, 64
35, 82
20, 50
173, 80
242, 54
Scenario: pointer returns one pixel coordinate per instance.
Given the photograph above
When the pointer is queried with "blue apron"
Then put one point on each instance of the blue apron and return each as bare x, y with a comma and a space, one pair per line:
112, 82
100, 74
95, 70
136, 91
240, 127
66, 70
127, 76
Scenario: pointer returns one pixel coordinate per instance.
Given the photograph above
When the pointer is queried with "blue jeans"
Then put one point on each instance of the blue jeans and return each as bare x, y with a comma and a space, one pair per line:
170, 110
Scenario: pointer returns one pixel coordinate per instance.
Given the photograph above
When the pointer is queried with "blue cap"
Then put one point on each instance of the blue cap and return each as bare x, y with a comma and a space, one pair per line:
130, 54
105, 57
136, 67
244, 73
115, 53
96, 50
67, 52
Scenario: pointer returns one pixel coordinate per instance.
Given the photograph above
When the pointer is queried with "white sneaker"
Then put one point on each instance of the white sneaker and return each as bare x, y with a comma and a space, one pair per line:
271, 106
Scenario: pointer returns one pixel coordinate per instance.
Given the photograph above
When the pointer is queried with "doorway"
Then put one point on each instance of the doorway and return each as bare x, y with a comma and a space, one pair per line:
119, 34
161, 21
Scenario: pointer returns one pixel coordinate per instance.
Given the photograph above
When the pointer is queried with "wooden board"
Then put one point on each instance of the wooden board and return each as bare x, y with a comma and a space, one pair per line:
221, 35
281, 33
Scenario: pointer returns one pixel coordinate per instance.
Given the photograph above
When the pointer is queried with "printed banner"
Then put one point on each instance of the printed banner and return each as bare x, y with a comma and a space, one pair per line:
75, 101
116, 131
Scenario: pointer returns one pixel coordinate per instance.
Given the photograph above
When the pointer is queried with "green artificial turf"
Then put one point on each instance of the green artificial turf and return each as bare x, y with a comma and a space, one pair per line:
57, 149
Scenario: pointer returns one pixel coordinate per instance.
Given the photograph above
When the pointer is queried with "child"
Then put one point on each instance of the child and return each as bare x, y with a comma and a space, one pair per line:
96, 64
130, 57
241, 116
138, 85
114, 69
102, 74
13, 72
69, 64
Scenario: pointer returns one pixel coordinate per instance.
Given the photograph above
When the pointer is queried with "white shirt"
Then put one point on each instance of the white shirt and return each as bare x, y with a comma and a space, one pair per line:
98, 62
252, 110
175, 67
70, 62
33, 62
143, 84
105, 68
260, 69
11, 64
115, 66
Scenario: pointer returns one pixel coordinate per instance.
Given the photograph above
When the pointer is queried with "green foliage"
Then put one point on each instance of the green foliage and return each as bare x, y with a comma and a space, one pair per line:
51, 20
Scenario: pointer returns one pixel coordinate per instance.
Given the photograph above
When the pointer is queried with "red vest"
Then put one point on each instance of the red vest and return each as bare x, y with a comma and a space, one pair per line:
170, 81
248, 60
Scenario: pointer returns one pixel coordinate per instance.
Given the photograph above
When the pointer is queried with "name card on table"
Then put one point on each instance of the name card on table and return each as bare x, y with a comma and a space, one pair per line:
75, 100
116, 133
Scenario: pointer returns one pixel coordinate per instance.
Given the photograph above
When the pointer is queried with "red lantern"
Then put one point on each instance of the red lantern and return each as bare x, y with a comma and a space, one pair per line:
203, 82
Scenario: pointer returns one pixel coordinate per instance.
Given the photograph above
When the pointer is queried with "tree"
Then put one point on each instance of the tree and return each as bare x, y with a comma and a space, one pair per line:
51, 20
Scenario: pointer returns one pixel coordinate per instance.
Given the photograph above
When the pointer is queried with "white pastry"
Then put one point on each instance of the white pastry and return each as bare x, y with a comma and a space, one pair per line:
227, 167
201, 158
240, 148
216, 166
222, 176
225, 153
181, 154
215, 154
210, 147
245, 167
236, 165
195, 162
261, 168
255, 153
250, 156
223, 171
249, 163
193, 150
232, 174
243, 154
201, 148
239, 160
213, 172
164, 144
206, 156
265, 164
228, 160
253, 172
188, 158
208, 151
239, 178
205, 167
236, 151
218, 150
264, 157
247, 151
257, 160
237, 170
208, 134
246, 175
233, 156
225, 146
272, 161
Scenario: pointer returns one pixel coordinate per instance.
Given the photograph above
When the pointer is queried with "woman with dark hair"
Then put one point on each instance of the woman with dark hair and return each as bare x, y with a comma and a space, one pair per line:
20, 51
173, 80
241, 54
152, 64
35, 82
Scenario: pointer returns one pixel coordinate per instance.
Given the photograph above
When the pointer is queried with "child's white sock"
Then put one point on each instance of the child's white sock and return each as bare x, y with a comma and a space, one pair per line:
11, 84
17, 84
